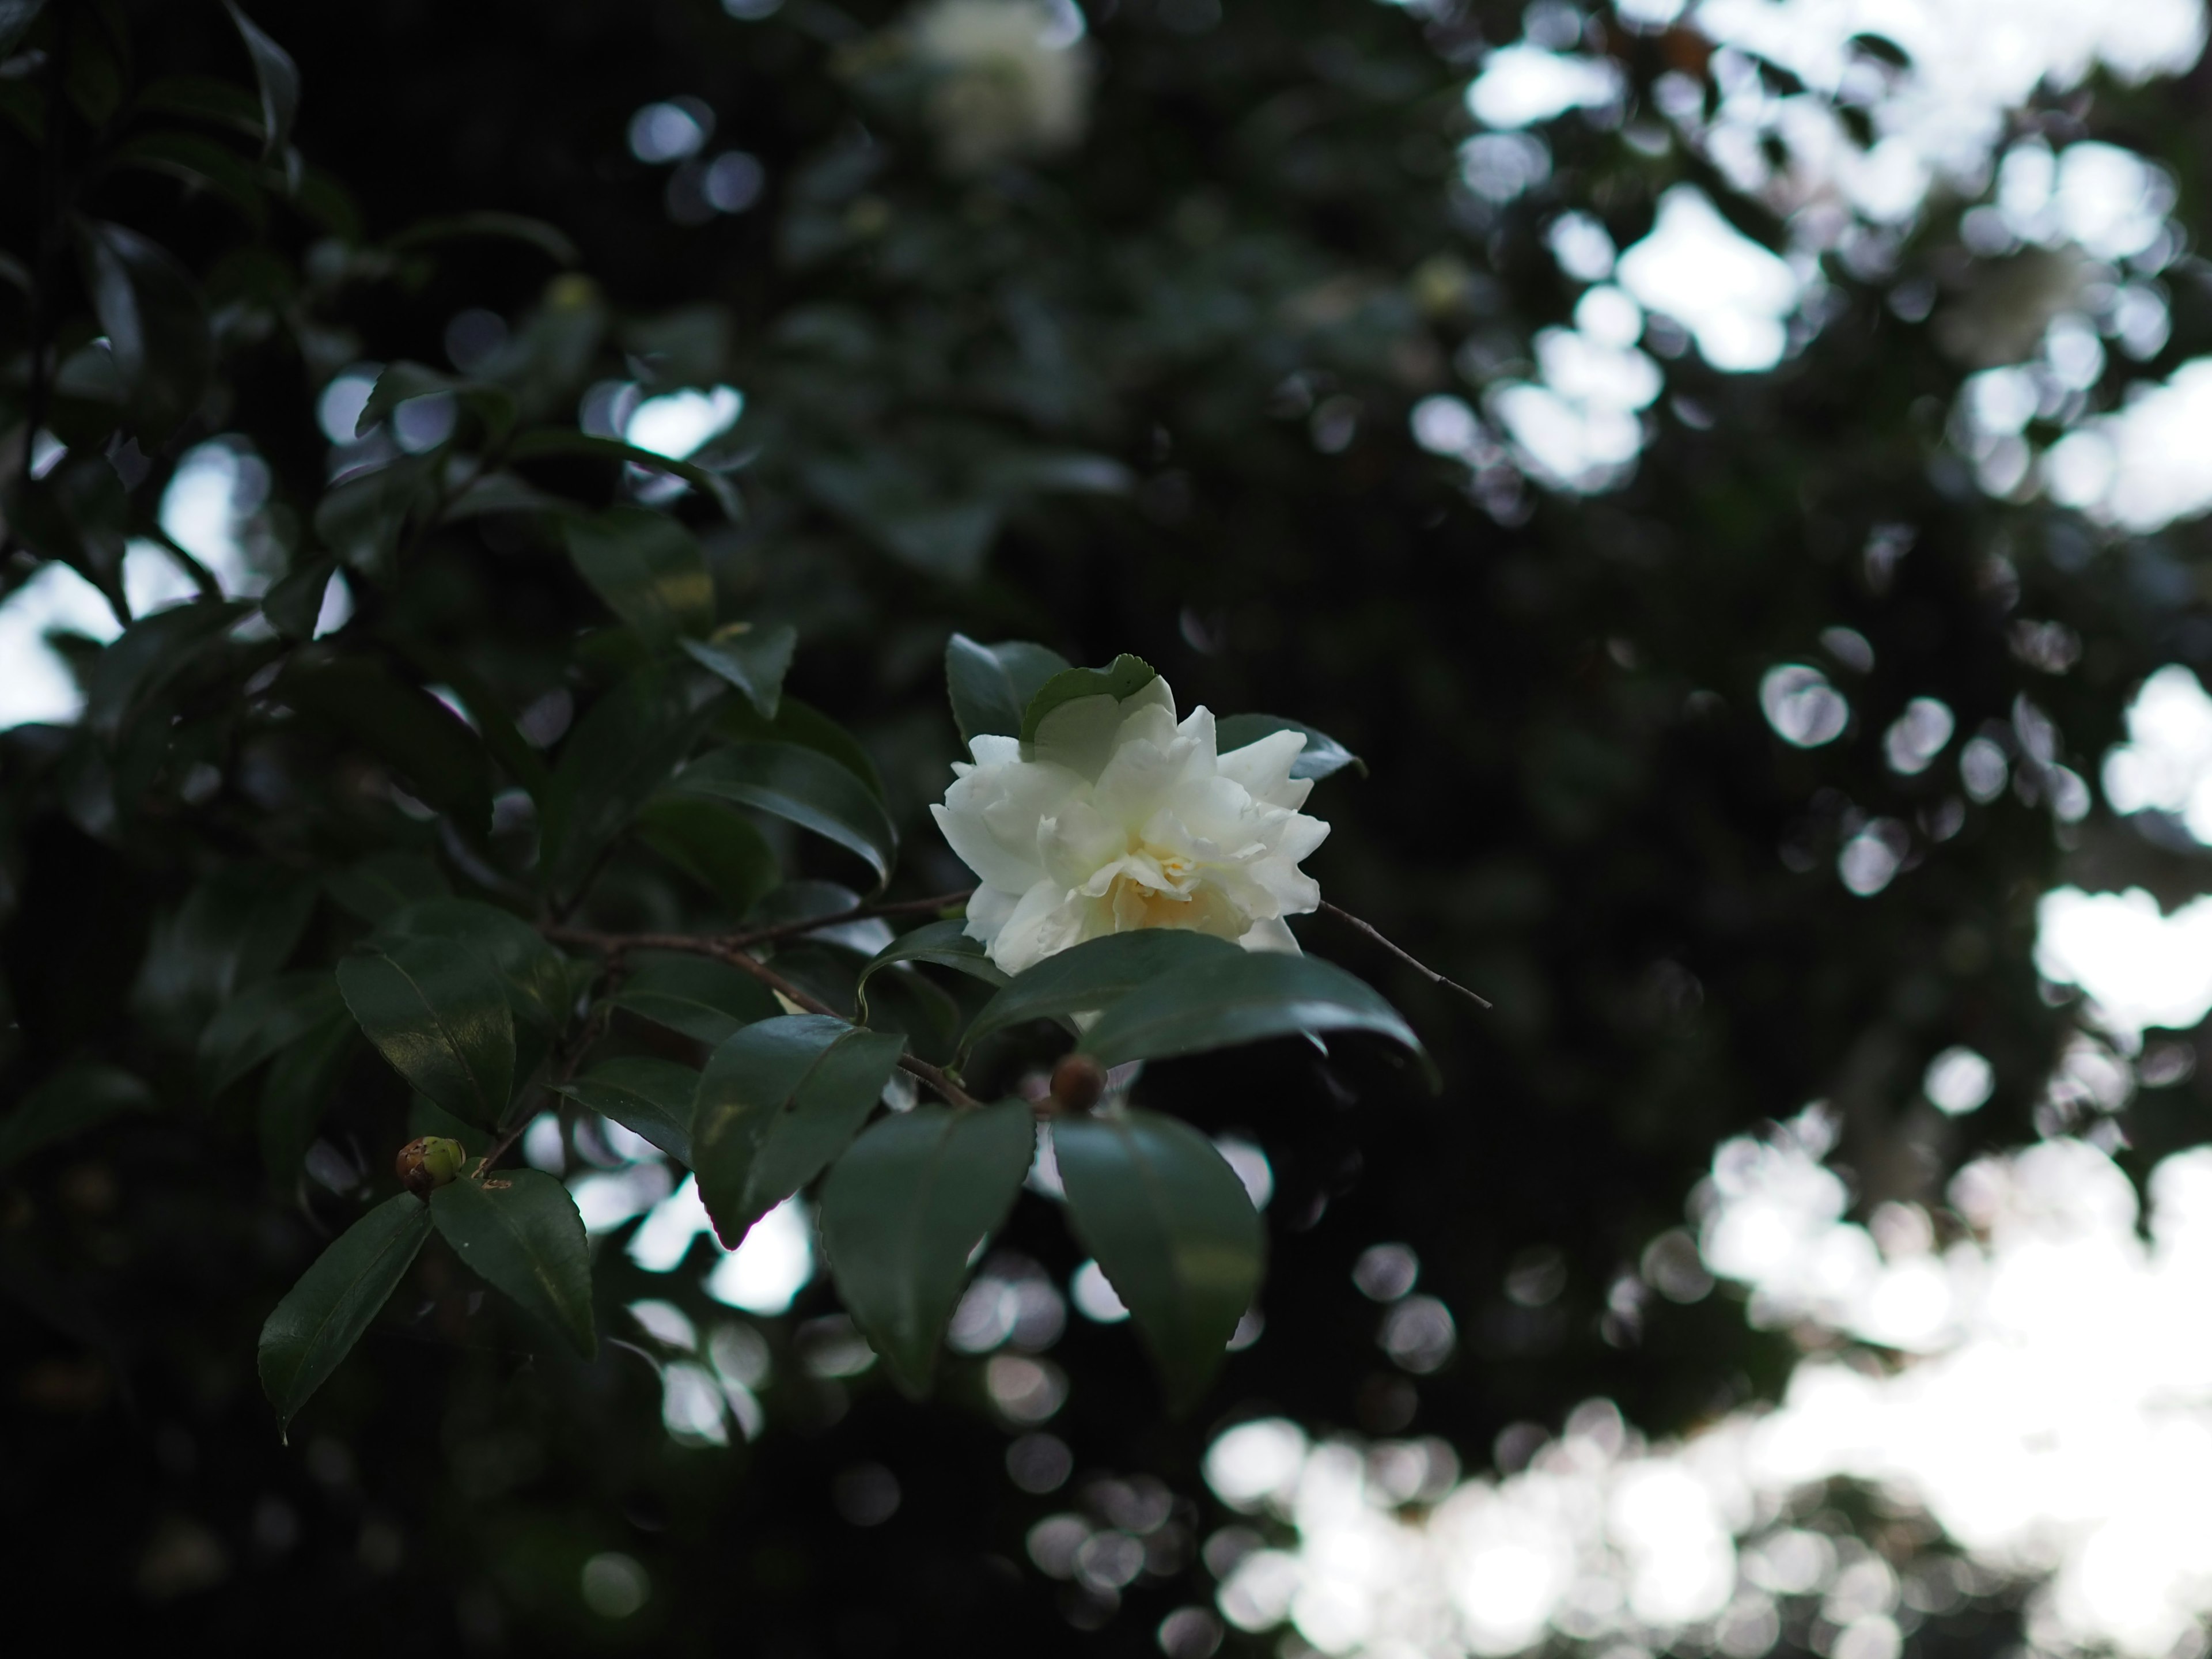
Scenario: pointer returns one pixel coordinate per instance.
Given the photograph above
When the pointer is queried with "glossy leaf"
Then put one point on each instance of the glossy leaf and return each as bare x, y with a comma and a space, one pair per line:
777, 1101
498, 227
441, 761
438, 1013
620, 754
277, 76
809, 728
77, 1097
755, 660
384, 883
553, 442
1259, 994
404, 382
715, 844
294, 604
520, 1232
155, 323
647, 568
703, 998
992, 686
151, 654
540, 987
802, 786
902, 1213
297, 1089
261, 1022
1094, 976
1323, 757
649, 1097
322, 1316
201, 164
1124, 677
1173, 1230
942, 945
361, 519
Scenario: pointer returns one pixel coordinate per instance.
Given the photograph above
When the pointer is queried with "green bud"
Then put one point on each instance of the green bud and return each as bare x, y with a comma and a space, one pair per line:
432, 1162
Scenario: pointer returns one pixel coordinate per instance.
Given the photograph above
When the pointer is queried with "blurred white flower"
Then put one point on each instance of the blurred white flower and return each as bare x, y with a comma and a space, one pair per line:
1117, 818
1013, 78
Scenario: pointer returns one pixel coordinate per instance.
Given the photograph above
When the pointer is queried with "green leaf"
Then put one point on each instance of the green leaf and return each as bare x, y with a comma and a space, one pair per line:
442, 761
942, 944
540, 991
649, 1097
1172, 1229
1095, 975
295, 1093
705, 1000
803, 787
991, 685
261, 1022
404, 382
755, 660
155, 322
385, 882
150, 654
520, 1230
1124, 677
294, 604
78, 1097
648, 569
200, 164
715, 845
902, 1213
620, 753
278, 78
1261, 994
362, 518
1323, 757
556, 441
322, 1316
805, 725
438, 1013
776, 1103
503, 227
16, 17
204, 98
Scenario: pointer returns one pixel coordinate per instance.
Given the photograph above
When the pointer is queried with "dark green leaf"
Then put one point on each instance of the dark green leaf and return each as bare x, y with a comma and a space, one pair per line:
360, 518
294, 604
1322, 755
706, 1000
715, 845
80, 514
555, 441
74, 1099
991, 685
385, 882
261, 1022
1095, 975
1172, 1229
755, 660
151, 654
803, 787
505, 227
277, 76
539, 989
322, 1316
1124, 677
620, 753
16, 17
649, 1097
803, 724
1258, 994
155, 322
402, 383
200, 164
902, 1213
438, 1013
204, 98
648, 569
777, 1101
521, 1232
896, 504
943, 945
442, 761
296, 1091
689, 346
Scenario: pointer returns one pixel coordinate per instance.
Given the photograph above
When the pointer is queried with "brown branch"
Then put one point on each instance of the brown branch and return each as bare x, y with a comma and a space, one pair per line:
744, 962
1345, 915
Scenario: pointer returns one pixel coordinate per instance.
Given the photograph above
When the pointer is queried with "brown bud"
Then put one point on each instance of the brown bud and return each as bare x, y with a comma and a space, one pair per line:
430, 1162
1077, 1083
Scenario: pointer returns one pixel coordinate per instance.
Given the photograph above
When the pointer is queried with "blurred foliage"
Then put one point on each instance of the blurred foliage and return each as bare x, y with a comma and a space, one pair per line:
1147, 393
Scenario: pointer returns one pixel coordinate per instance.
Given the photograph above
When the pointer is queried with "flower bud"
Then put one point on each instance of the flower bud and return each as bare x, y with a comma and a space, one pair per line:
1077, 1083
430, 1162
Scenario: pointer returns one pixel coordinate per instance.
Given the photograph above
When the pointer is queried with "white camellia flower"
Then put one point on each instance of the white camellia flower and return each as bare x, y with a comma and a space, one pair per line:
1014, 78
1119, 818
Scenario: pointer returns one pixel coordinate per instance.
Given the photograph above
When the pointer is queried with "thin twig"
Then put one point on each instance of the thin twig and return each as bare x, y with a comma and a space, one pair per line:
744, 962
1345, 915
594, 1028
